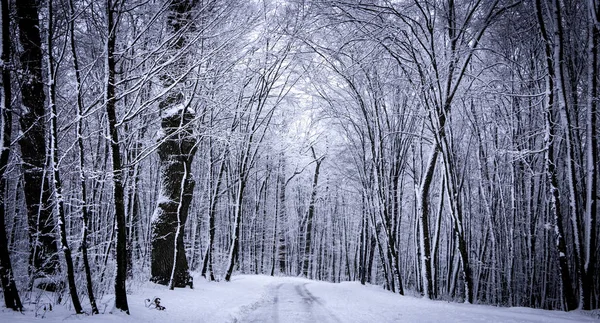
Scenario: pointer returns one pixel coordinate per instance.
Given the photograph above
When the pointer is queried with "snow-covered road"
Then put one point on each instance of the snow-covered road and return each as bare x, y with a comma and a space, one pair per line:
292, 302
253, 299
296, 300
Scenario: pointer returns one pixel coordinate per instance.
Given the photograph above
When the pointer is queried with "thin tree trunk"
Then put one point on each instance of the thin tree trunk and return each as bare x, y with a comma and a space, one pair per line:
281, 217
207, 267
591, 208
310, 215
235, 243
456, 210
422, 215
264, 226
82, 178
372, 246
57, 183
436, 242
362, 259
118, 192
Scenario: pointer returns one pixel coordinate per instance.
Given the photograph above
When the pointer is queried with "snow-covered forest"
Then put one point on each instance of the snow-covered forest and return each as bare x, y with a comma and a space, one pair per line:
446, 149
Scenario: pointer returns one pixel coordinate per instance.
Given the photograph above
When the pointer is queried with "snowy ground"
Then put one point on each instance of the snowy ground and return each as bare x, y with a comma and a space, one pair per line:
250, 299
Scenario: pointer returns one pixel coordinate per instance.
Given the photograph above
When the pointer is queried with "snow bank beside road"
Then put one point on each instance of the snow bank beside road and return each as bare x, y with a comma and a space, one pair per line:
353, 303
214, 302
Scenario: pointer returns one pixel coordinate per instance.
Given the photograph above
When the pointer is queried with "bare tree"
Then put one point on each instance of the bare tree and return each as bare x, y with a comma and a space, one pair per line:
7, 280
310, 215
176, 151
112, 9
59, 204
551, 114
43, 258
591, 208
85, 214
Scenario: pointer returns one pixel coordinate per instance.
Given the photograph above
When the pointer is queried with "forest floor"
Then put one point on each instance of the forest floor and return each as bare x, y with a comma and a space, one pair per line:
265, 299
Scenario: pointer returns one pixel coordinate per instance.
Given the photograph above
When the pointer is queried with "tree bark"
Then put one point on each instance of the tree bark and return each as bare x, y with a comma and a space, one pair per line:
82, 178
423, 218
43, 254
310, 215
235, 242
591, 208
118, 192
281, 217
176, 152
59, 204
569, 299
207, 266
7, 280
575, 209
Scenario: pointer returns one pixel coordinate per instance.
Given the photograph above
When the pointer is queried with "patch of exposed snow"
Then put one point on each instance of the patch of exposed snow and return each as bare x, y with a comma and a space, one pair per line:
172, 111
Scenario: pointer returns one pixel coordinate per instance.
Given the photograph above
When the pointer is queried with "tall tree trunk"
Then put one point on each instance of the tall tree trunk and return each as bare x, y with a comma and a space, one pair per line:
44, 258
59, 204
7, 280
310, 215
207, 266
244, 165
235, 242
371, 251
263, 201
176, 152
563, 108
362, 247
118, 192
281, 217
456, 209
82, 178
569, 299
591, 207
422, 217
436, 242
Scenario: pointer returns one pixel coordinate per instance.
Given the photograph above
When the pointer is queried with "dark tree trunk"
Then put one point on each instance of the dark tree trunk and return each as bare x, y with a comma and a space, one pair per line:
118, 192
207, 266
568, 296
57, 182
423, 218
7, 281
176, 152
590, 269
371, 252
169, 262
281, 218
362, 259
84, 198
43, 254
309, 218
235, 241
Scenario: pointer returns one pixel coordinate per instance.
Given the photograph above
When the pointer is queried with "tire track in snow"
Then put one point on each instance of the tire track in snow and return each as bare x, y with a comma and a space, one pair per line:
319, 312
275, 312
293, 303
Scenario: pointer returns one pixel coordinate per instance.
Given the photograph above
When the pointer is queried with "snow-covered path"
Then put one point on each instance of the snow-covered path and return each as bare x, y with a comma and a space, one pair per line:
292, 302
264, 299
